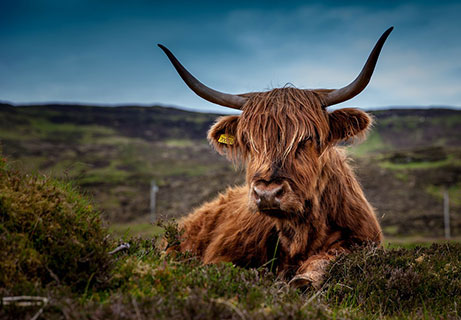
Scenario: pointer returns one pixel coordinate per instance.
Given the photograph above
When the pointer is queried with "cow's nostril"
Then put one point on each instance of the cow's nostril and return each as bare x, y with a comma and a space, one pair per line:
279, 192
267, 197
257, 193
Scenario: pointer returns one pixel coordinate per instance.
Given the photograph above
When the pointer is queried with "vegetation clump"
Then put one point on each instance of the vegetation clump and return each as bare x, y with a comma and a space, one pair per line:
49, 233
399, 281
53, 246
429, 154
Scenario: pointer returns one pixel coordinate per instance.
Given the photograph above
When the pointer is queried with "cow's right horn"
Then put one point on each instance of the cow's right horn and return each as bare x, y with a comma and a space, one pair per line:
362, 80
223, 99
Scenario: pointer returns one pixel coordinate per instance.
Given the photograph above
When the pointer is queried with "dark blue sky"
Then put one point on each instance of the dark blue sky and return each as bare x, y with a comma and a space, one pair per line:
105, 51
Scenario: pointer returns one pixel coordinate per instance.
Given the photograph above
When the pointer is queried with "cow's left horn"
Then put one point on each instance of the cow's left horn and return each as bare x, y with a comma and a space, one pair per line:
223, 99
362, 80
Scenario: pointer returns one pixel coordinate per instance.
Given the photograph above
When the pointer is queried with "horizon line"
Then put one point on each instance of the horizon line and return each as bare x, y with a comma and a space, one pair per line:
189, 109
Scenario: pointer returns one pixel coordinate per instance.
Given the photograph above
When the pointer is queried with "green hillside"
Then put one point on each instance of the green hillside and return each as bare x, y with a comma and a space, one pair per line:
114, 153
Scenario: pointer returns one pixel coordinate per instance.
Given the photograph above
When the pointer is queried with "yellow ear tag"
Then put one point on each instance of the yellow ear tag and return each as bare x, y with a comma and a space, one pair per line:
226, 139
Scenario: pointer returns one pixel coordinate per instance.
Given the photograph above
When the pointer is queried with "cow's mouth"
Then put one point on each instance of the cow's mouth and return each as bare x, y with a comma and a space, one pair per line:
272, 212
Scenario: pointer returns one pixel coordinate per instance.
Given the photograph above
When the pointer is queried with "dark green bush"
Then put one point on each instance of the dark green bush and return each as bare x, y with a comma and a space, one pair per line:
398, 281
48, 234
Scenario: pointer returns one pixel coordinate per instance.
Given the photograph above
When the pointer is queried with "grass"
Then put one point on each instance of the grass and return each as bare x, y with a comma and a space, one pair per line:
39, 128
369, 284
54, 246
391, 230
411, 242
451, 122
372, 144
434, 157
454, 193
187, 169
147, 230
107, 175
143, 230
410, 124
420, 165
423, 281
180, 143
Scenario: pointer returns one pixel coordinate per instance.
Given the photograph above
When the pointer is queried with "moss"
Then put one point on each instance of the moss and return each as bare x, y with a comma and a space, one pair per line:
48, 234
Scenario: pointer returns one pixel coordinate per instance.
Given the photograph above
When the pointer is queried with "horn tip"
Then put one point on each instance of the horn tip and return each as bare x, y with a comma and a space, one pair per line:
165, 49
384, 36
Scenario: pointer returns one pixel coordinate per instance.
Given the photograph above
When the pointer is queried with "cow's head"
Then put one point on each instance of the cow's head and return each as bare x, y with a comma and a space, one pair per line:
283, 136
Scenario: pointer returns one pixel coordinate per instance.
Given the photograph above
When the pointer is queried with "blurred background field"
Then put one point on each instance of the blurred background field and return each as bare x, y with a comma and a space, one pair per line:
409, 159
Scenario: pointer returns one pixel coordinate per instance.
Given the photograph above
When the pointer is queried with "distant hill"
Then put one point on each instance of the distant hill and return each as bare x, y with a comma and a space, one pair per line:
115, 152
401, 128
149, 123
409, 128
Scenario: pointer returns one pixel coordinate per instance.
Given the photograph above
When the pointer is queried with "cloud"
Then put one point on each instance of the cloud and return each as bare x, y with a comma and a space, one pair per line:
106, 53
415, 67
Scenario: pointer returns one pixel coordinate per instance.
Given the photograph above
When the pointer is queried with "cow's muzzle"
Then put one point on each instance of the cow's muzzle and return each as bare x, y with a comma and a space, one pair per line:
268, 195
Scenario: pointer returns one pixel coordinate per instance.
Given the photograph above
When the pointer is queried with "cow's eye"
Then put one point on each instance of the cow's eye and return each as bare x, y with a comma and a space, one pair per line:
244, 143
302, 145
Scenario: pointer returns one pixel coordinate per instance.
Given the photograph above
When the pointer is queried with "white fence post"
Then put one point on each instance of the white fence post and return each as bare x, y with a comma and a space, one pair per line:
153, 194
446, 213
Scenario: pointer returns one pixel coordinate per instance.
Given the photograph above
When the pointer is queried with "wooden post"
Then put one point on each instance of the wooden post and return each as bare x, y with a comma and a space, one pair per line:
153, 194
446, 213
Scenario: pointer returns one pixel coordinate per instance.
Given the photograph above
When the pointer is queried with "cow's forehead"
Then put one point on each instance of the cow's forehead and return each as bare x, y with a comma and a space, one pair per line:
274, 122
284, 105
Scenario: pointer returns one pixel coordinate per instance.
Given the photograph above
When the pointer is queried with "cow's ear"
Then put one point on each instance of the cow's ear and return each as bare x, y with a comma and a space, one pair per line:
222, 135
347, 123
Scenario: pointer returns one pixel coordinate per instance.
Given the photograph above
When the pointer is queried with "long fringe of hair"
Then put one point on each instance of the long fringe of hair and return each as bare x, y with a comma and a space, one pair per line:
274, 122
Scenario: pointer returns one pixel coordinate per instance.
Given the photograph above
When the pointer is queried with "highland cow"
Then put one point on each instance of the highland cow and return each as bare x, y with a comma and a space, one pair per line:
301, 204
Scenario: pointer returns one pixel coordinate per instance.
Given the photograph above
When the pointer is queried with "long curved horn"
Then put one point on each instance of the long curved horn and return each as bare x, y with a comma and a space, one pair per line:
223, 99
362, 80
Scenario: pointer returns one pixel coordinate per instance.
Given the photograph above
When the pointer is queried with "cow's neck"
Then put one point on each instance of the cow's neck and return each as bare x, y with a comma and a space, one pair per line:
304, 233
299, 237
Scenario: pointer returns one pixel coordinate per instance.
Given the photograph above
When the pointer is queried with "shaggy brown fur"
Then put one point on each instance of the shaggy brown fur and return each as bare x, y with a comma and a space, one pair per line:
288, 140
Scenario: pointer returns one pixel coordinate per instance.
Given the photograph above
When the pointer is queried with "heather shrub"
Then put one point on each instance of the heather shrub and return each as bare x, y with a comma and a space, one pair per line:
49, 234
421, 280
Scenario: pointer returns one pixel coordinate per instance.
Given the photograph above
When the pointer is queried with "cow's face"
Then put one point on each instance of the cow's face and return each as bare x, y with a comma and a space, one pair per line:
283, 137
